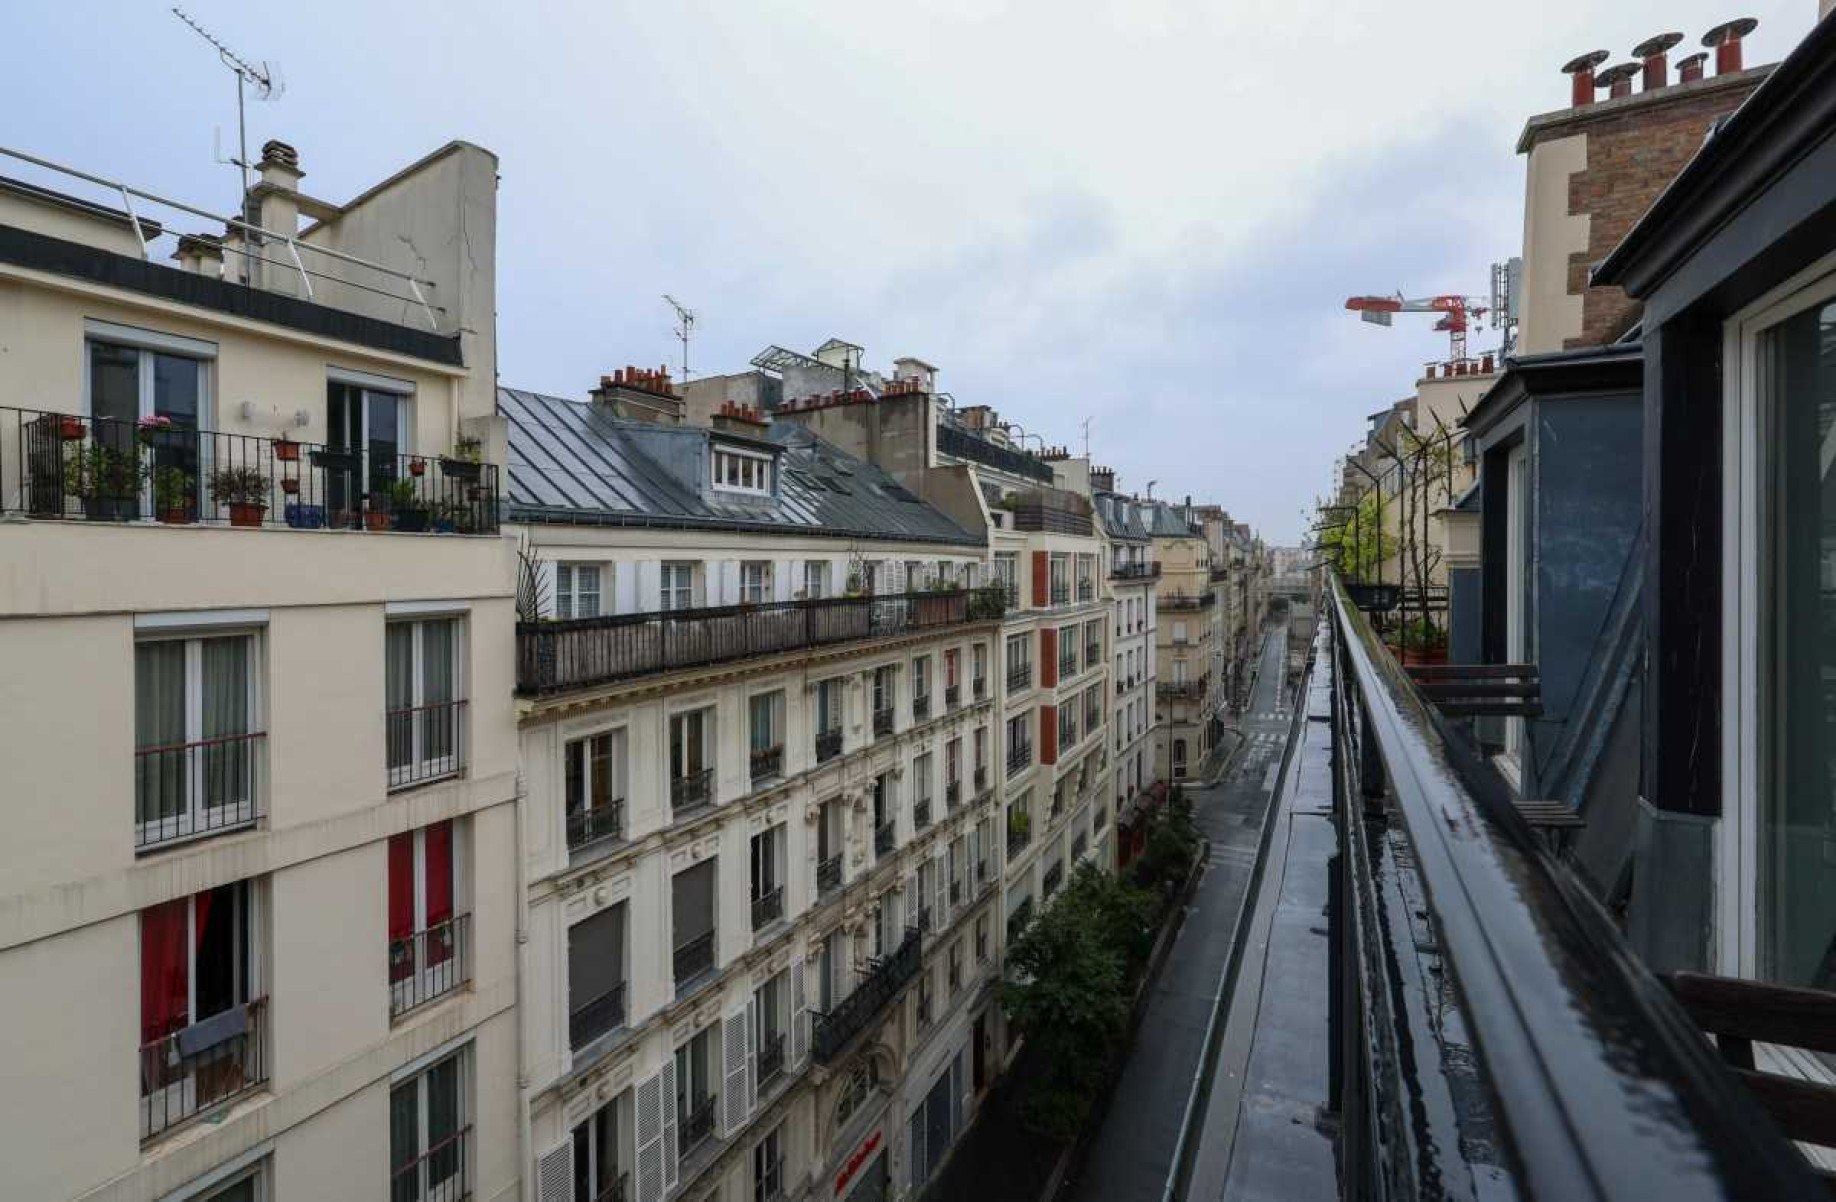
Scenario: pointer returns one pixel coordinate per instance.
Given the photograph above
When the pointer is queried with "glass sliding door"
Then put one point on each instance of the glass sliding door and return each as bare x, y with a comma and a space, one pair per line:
366, 433
146, 408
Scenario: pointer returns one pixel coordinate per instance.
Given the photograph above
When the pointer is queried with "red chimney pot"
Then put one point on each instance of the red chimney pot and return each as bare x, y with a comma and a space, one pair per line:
1654, 52
1618, 80
1581, 91
1726, 39
1689, 70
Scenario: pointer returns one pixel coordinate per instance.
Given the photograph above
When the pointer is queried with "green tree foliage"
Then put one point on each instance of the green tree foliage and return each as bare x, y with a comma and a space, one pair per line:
1172, 843
1354, 539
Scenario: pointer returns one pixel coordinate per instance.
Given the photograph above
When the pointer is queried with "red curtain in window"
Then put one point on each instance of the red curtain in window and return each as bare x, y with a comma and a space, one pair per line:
164, 970
401, 886
439, 839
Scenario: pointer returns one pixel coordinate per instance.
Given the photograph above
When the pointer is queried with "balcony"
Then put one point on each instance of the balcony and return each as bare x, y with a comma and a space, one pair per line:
1093, 652
1086, 590
425, 742
953, 794
767, 765
770, 1059
883, 838
923, 920
691, 792
1067, 665
953, 695
188, 790
886, 978
429, 964
1018, 757
768, 907
588, 826
882, 722
1180, 690
618, 1191
1135, 571
981, 778
1060, 593
697, 1124
829, 875
1020, 678
1220, 574
979, 688
1054, 877
921, 707
1050, 511
1019, 833
555, 656
921, 814
443, 1173
66, 466
596, 1017
693, 959
194, 1068
1179, 601
828, 745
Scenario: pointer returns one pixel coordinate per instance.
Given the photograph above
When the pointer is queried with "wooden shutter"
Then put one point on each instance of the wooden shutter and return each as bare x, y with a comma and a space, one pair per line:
555, 1174
1048, 657
651, 1099
735, 1056
799, 1015
1041, 580
670, 1160
1048, 734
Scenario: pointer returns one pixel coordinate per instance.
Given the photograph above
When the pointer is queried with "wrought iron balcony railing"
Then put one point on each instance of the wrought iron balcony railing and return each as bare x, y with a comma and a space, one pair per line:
981, 777
196, 1067
768, 907
979, 687
828, 745
921, 707
691, 792
188, 790
1134, 571
1169, 601
429, 964
829, 875
953, 695
442, 1173
882, 721
1061, 594
771, 1058
1020, 677
921, 813
953, 794
590, 824
1018, 757
767, 764
554, 656
1182, 690
693, 958
596, 1016
425, 742
833, 1032
697, 1124
883, 838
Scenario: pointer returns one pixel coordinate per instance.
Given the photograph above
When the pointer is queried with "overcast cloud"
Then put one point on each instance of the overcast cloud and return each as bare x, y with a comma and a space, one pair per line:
1143, 213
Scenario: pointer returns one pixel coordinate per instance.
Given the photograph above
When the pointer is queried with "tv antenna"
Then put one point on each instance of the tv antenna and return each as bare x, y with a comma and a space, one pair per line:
1086, 438
265, 80
685, 329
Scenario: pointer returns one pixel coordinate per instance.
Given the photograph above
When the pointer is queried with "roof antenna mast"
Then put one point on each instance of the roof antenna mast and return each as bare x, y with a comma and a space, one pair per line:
265, 79
685, 329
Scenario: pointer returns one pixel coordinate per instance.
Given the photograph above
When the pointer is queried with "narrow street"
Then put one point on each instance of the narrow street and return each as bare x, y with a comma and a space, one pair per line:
1135, 1145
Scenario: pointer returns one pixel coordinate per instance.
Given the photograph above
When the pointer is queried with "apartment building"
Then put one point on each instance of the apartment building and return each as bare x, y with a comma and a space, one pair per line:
1133, 571
1188, 639
760, 728
259, 939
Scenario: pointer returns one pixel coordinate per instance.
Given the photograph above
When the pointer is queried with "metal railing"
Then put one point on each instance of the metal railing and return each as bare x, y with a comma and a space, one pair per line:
829, 874
1180, 689
883, 838
425, 742
767, 764
921, 706
1186, 600
1060, 594
77, 467
429, 964
196, 1067
1480, 987
981, 777
552, 656
697, 1124
1134, 571
768, 907
770, 1058
590, 824
1086, 590
1019, 834
1019, 678
953, 695
618, 1191
1093, 653
190, 789
693, 958
443, 1173
921, 813
828, 745
883, 721
691, 792
953, 794
768, 1185
595, 1017
1067, 663
835, 1030
979, 687
1018, 757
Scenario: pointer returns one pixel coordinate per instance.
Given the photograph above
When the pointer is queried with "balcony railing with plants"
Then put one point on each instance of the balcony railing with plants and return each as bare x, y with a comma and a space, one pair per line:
1186, 600
196, 1067
596, 1016
1134, 571
691, 792
590, 824
885, 979
557, 655
158, 469
186, 790
768, 907
694, 958
429, 964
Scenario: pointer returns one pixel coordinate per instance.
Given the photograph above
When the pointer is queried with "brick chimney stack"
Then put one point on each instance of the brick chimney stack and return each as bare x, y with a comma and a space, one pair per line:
640, 395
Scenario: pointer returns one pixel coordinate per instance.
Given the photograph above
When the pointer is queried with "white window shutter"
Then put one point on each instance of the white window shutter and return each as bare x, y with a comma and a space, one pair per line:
555, 1174
752, 1055
648, 1130
940, 878
799, 1015
670, 1165
912, 902
734, 1054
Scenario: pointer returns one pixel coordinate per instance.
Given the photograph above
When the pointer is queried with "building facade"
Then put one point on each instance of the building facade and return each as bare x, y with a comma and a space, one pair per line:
1188, 640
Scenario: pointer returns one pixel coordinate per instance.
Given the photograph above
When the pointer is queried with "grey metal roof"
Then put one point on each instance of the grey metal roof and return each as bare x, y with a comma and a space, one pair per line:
1167, 523
571, 461
1121, 517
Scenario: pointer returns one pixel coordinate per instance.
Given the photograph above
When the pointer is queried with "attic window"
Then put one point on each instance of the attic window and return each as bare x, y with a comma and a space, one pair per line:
742, 471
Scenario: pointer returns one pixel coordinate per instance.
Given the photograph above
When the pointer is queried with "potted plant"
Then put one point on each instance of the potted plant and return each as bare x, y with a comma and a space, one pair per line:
244, 490
150, 428
286, 450
445, 517
417, 466
108, 481
174, 495
71, 429
409, 511
464, 463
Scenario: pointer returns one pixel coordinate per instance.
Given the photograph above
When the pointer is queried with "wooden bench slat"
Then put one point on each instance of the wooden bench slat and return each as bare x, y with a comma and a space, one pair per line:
1804, 1110
1781, 1014
1453, 692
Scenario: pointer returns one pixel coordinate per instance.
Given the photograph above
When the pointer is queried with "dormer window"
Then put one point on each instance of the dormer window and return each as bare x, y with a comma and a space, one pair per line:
742, 471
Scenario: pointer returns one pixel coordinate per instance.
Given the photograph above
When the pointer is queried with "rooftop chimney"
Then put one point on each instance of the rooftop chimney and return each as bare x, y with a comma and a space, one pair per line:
744, 420
1618, 80
1582, 69
1689, 70
1103, 479
1654, 53
640, 395
275, 207
1726, 40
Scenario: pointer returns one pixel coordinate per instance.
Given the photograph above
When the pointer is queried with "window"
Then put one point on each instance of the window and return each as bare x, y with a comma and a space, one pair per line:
424, 700
1019, 742
1067, 651
921, 685
200, 1010
374, 425
978, 661
883, 700
981, 939
696, 1091
755, 581
742, 471
128, 384
768, 1167
952, 669
692, 912
921, 789
691, 762
600, 1153
1061, 580
816, 579
428, 1134
831, 988
1093, 643
596, 975
770, 1011
247, 1185
768, 876
934, 1124
198, 743
1007, 573
678, 585
426, 959
1019, 661
914, 575
595, 788
1179, 757
829, 702
577, 590
765, 726
1093, 708
1067, 726
1179, 631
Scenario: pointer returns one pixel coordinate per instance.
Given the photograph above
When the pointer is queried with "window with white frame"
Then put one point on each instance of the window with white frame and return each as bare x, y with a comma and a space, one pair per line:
677, 585
162, 383
816, 579
425, 698
595, 771
426, 960
742, 471
429, 1132
577, 589
250, 1184
602, 1151
768, 1166
197, 736
755, 581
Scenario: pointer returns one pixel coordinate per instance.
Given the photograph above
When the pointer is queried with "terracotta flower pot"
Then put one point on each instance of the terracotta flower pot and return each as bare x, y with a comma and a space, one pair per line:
176, 517
286, 450
245, 514
71, 429
290, 487
417, 467
376, 519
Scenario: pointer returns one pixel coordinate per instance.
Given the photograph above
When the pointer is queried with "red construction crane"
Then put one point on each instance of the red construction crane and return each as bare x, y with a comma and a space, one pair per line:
1454, 310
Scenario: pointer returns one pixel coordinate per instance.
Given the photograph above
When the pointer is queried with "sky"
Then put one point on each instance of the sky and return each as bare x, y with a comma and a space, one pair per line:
1142, 214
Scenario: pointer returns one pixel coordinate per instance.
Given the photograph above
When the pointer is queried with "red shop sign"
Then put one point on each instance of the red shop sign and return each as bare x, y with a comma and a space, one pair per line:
868, 1147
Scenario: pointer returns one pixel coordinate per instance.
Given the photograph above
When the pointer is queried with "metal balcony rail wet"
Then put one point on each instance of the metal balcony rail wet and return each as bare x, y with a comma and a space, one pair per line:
883, 721
1480, 988
771, 1058
768, 907
158, 469
883, 838
921, 707
443, 1173
596, 1016
186, 790
829, 874
1018, 757
425, 742
691, 792
828, 745
557, 655
694, 958
835, 1030
194, 1068
1186, 600
697, 1124
921, 813
590, 824
1134, 571
1019, 678
428, 964
767, 764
